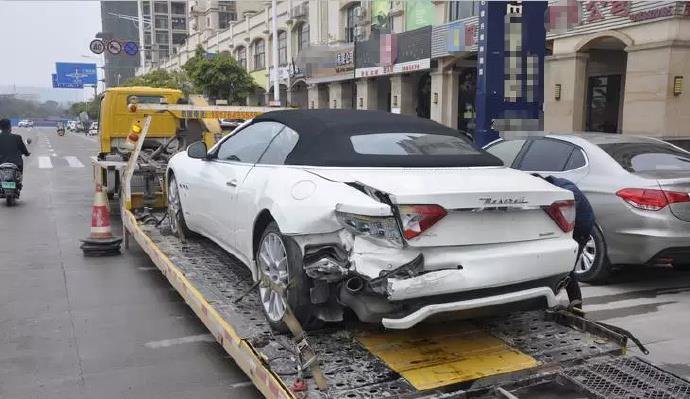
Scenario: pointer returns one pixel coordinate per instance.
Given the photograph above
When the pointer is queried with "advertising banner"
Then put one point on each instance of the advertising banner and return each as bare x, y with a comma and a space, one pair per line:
510, 68
327, 63
412, 52
418, 13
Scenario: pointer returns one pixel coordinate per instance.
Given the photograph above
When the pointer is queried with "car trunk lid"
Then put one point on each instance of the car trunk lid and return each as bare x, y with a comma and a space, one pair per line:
483, 204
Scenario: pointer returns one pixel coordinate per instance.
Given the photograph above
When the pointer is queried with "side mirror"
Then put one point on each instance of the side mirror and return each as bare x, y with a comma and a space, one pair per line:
197, 150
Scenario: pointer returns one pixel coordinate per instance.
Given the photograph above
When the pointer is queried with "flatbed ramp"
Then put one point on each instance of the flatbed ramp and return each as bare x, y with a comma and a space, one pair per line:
524, 355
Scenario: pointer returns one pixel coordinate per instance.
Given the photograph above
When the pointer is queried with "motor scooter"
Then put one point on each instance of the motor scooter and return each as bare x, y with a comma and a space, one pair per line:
10, 183
61, 130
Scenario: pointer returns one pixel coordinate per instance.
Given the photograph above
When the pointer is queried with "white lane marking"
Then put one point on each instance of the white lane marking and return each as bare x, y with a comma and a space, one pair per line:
241, 384
177, 341
74, 162
44, 163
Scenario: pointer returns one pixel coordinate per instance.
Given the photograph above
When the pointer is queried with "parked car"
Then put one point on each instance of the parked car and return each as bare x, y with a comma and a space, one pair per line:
395, 217
638, 187
72, 126
25, 123
93, 130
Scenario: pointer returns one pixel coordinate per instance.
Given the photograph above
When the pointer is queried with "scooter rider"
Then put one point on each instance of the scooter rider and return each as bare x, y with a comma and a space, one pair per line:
12, 146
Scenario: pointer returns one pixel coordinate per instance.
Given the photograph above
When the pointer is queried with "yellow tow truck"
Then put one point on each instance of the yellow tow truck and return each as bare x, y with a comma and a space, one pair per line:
176, 121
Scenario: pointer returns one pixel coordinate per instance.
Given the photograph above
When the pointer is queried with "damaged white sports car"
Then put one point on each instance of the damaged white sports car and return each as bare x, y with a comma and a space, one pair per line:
396, 218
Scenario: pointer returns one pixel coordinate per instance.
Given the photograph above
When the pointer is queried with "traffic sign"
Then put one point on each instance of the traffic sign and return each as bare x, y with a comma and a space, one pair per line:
70, 85
131, 48
76, 73
97, 46
114, 47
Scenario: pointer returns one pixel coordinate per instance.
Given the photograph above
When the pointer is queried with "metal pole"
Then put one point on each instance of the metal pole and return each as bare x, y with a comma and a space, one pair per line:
142, 56
276, 84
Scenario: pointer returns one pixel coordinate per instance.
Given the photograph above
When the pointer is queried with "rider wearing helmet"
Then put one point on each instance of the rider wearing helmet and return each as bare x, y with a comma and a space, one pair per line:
12, 146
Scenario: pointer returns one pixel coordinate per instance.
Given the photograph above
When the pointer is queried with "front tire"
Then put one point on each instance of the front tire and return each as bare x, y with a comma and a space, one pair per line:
593, 265
280, 260
10, 200
178, 226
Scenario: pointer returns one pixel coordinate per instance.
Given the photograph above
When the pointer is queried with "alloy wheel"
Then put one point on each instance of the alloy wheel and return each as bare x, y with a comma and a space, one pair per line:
273, 264
173, 205
588, 256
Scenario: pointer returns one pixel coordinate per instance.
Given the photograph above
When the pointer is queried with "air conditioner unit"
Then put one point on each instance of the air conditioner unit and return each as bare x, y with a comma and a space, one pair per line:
397, 6
299, 11
359, 32
360, 12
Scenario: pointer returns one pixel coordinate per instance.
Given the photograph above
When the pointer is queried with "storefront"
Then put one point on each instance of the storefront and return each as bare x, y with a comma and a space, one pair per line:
618, 67
329, 72
392, 72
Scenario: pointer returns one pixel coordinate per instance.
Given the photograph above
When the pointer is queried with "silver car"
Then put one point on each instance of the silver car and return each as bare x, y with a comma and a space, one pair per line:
638, 186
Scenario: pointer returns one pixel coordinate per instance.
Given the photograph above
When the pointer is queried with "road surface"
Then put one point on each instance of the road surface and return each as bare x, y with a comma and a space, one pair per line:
75, 327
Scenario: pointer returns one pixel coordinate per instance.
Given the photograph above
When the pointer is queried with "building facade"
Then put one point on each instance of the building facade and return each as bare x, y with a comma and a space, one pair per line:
164, 26
610, 66
620, 68
120, 67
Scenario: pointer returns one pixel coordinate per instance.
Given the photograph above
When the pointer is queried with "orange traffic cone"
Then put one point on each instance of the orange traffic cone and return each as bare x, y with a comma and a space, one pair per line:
101, 240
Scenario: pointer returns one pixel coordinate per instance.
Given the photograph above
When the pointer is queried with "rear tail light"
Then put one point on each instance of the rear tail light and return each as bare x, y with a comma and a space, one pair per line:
563, 213
651, 200
416, 219
381, 228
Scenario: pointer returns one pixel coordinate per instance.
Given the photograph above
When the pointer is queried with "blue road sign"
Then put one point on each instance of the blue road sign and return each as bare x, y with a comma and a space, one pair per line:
131, 48
72, 85
76, 73
510, 68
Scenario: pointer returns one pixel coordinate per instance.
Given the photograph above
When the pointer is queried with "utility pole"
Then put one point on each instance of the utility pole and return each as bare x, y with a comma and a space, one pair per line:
276, 84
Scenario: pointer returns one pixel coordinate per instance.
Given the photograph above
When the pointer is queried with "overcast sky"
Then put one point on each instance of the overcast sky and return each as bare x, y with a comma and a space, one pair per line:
36, 34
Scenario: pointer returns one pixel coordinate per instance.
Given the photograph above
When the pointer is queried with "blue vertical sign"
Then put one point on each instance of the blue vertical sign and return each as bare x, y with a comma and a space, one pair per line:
510, 67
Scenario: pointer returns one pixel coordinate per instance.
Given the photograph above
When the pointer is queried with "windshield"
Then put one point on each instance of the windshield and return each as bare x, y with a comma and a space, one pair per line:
648, 157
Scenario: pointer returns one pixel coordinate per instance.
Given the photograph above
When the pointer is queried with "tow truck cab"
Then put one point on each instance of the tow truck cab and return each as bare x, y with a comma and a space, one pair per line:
116, 120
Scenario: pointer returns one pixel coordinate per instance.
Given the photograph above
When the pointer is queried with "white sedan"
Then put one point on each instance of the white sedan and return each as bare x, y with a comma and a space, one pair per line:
395, 217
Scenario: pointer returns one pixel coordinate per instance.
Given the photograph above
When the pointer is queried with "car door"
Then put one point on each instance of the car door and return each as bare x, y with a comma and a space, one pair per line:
221, 179
549, 156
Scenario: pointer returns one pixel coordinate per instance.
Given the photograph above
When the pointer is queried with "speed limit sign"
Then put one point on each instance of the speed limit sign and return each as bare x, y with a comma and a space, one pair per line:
97, 46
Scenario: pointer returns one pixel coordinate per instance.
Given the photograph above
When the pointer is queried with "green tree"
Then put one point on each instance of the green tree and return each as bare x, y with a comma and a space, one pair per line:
219, 77
90, 107
163, 79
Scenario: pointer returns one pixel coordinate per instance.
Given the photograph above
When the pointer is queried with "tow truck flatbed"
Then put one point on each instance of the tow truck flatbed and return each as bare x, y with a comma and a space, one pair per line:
522, 355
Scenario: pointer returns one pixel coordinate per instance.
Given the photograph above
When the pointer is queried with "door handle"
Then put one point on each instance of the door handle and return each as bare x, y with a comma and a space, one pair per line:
231, 183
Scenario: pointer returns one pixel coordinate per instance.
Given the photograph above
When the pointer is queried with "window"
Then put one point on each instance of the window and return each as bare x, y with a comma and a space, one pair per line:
259, 54
147, 38
350, 23
248, 144
179, 23
179, 38
546, 155
242, 57
411, 144
576, 160
162, 37
648, 157
282, 48
161, 22
462, 9
506, 150
147, 9
160, 7
303, 37
146, 99
178, 7
281, 146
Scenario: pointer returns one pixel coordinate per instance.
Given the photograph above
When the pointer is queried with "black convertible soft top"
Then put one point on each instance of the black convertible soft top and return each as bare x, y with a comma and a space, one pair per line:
324, 139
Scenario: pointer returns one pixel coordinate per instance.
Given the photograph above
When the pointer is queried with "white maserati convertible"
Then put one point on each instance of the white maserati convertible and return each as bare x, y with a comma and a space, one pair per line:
394, 217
